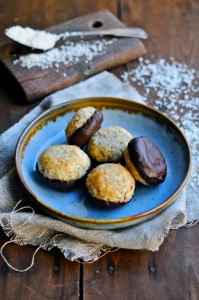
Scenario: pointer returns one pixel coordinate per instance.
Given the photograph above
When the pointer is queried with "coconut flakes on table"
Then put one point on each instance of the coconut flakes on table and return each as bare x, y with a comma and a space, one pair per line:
175, 88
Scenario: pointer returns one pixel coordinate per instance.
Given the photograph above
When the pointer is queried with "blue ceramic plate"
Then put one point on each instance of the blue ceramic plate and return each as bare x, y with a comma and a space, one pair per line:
73, 207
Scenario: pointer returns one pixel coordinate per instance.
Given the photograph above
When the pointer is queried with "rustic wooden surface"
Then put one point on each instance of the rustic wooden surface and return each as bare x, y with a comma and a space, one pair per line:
173, 271
37, 83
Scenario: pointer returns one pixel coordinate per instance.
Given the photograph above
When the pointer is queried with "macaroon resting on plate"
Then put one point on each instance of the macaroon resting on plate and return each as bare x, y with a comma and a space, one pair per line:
74, 207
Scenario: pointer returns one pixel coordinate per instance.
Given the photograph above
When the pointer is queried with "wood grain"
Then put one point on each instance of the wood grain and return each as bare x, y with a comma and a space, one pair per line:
172, 27
173, 271
37, 83
59, 278
170, 273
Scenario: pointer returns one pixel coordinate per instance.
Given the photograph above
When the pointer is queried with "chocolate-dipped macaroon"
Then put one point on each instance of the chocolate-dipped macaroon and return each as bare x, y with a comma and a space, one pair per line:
110, 185
145, 161
83, 125
62, 166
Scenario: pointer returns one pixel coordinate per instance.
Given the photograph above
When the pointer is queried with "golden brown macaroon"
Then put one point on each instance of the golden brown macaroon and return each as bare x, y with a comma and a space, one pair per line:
145, 161
110, 185
62, 166
108, 144
83, 125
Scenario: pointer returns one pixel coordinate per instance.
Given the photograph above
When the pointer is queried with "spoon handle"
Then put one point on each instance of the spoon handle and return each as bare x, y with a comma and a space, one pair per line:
117, 32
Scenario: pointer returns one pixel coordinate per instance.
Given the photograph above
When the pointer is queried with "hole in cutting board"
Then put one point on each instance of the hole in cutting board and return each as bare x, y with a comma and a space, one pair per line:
97, 24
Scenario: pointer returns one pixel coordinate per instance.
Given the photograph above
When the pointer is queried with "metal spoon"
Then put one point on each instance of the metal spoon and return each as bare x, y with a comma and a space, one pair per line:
43, 40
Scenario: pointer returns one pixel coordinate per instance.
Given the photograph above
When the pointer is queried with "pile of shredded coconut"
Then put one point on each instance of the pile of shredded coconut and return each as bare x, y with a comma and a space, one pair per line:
175, 87
36, 39
69, 53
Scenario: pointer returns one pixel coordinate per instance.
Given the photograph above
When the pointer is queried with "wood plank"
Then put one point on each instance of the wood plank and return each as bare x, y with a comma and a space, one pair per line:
172, 27
51, 277
37, 82
170, 273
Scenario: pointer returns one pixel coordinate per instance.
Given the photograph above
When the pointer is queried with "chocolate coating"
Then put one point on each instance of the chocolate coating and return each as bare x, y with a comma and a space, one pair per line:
104, 204
148, 160
82, 135
61, 186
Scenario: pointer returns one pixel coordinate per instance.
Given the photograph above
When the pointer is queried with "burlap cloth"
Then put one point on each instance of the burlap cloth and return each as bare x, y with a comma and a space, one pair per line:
24, 225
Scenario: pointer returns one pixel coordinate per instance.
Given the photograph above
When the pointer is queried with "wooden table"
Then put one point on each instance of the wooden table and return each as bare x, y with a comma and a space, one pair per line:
173, 271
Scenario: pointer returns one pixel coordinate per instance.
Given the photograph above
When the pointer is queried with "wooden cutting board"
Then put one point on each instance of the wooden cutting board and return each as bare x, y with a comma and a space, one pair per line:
37, 83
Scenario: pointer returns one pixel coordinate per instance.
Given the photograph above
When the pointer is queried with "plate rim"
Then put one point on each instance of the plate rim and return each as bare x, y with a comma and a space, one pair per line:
81, 101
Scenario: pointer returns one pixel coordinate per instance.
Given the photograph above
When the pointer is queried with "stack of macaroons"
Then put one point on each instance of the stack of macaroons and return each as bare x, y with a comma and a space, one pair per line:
83, 125
109, 183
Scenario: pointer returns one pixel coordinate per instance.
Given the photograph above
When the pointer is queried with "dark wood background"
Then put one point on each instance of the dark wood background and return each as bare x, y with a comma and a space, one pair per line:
171, 273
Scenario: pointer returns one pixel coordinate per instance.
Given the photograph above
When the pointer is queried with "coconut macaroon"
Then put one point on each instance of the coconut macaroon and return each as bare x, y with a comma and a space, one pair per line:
110, 185
108, 144
62, 166
145, 161
83, 125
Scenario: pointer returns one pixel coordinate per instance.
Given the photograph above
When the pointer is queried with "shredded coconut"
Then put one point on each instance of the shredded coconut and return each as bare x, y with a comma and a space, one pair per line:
175, 87
69, 53
111, 182
36, 39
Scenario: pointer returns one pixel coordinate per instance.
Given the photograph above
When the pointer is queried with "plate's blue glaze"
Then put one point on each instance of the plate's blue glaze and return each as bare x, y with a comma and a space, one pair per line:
73, 207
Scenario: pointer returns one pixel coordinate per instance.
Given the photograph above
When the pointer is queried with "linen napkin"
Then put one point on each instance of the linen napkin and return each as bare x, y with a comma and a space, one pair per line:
24, 225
